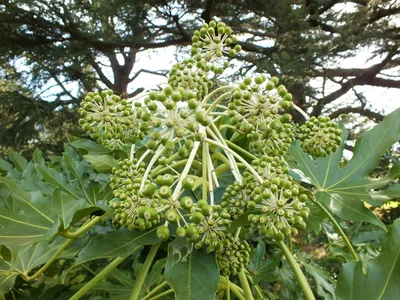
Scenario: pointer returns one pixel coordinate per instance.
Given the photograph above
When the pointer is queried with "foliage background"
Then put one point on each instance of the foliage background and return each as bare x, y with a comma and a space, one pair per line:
53, 52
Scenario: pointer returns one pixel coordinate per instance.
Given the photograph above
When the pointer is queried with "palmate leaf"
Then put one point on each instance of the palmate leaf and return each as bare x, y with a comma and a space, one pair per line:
28, 259
261, 268
30, 219
66, 206
344, 189
193, 275
382, 276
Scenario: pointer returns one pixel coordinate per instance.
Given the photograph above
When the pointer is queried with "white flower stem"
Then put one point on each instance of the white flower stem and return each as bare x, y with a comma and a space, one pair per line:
303, 113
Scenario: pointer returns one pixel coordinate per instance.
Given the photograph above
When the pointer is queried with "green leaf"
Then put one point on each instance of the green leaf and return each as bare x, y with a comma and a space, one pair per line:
117, 243
102, 163
28, 221
65, 206
324, 283
28, 259
193, 275
89, 146
57, 179
389, 193
6, 166
342, 189
7, 277
355, 211
19, 161
380, 280
261, 268
115, 291
38, 157
155, 275
76, 168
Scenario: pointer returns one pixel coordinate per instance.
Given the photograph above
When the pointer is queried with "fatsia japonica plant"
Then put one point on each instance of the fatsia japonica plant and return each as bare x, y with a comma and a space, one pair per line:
210, 177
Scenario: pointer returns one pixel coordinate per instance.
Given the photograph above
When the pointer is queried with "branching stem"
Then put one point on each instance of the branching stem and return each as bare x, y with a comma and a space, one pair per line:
186, 170
237, 156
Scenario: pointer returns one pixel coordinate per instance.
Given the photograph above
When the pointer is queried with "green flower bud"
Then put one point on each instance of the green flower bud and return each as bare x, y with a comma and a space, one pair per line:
163, 233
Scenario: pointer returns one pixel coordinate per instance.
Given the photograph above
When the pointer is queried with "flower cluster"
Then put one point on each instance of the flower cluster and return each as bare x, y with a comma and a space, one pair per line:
320, 136
189, 133
110, 120
257, 109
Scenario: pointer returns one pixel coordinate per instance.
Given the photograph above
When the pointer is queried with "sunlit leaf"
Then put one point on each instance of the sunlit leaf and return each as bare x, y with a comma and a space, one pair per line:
89, 146
19, 161
342, 189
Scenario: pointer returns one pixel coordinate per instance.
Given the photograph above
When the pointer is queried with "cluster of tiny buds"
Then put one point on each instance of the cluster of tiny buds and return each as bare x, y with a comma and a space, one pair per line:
320, 136
110, 120
153, 190
258, 109
210, 43
233, 255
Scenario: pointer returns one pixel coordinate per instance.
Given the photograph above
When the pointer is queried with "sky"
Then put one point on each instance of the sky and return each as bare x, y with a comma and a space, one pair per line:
381, 99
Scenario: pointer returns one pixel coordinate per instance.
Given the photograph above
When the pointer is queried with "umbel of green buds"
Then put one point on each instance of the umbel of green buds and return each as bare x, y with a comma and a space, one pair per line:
110, 120
180, 138
258, 110
320, 136
232, 255
211, 43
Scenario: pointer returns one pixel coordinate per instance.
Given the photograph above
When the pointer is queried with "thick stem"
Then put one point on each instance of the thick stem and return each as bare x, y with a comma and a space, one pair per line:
88, 286
256, 286
228, 291
301, 279
339, 230
245, 285
233, 287
49, 262
143, 272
